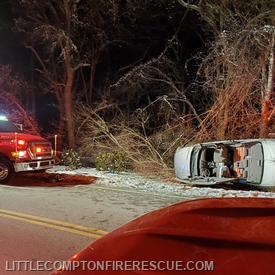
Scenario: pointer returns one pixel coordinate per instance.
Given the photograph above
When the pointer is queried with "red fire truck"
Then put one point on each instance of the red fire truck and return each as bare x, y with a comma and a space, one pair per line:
21, 152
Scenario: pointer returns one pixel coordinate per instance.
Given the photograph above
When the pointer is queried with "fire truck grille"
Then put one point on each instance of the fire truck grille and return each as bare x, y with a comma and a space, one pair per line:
40, 150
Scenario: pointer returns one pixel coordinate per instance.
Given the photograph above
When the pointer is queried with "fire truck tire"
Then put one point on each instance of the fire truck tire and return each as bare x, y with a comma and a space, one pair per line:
6, 170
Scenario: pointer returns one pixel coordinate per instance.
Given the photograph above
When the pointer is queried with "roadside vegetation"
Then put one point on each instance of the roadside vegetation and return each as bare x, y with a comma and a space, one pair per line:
130, 82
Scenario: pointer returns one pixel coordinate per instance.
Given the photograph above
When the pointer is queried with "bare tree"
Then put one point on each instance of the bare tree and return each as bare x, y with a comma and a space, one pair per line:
52, 30
66, 36
268, 88
244, 37
13, 92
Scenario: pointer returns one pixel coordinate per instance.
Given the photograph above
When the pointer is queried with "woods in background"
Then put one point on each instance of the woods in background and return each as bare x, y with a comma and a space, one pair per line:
143, 77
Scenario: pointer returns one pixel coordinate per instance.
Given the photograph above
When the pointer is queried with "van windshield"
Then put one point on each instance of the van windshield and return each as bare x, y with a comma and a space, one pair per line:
8, 127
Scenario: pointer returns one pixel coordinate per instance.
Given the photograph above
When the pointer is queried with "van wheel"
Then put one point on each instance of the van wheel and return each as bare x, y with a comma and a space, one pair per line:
6, 170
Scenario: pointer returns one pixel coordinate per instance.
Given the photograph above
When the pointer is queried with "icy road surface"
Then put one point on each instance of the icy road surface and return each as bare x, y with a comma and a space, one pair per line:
96, 206
132, 181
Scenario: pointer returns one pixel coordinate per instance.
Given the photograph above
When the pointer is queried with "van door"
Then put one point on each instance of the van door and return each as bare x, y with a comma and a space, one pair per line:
254, 163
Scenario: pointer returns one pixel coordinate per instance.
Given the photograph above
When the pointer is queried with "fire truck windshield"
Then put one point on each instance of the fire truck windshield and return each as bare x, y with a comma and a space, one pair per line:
8, 127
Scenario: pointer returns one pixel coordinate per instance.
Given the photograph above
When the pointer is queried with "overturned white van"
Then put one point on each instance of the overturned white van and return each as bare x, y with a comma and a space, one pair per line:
243, 161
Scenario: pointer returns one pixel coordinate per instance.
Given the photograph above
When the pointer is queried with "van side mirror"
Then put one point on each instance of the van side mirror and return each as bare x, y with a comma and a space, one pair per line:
19, 126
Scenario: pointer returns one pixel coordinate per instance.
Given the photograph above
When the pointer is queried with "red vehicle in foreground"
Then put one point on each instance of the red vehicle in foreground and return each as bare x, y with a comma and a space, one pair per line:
20, 152
216, 236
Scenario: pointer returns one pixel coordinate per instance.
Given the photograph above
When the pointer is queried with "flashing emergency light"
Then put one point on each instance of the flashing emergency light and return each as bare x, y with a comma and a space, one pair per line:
21, 142
3, 118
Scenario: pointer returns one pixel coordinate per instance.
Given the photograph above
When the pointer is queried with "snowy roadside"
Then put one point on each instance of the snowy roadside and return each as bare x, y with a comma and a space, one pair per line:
139, 183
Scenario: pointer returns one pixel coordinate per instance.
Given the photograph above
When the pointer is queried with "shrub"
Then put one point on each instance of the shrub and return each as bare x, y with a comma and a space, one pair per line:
112, 161
70, 158
147, 154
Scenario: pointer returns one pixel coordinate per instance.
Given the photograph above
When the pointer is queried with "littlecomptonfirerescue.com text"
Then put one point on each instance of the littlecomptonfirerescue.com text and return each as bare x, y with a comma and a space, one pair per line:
146, 265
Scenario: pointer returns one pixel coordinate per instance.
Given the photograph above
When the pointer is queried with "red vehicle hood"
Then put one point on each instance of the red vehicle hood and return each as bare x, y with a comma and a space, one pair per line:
26, 137
237, 234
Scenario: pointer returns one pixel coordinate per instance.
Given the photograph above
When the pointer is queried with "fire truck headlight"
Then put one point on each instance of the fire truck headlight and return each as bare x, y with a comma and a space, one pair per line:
22, 154
19, 154
38, 149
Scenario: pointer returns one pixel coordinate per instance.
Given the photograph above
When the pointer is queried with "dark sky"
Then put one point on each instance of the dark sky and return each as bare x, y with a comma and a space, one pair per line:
13, 52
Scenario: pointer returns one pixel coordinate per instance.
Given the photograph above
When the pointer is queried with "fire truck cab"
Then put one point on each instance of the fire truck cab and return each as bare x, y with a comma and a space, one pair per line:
21, 152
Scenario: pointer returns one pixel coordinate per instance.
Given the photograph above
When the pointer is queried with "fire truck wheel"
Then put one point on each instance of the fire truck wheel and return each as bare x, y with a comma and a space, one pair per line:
6, 170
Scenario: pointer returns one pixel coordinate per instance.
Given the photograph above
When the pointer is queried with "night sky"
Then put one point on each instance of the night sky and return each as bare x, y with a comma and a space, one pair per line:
142, 42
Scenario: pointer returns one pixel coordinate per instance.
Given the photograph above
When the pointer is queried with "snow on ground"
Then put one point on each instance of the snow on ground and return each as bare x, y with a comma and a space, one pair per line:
131, 180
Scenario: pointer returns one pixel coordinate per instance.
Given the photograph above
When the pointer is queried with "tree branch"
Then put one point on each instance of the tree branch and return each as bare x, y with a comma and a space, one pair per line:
189, 6
169, 82
81, 65
38, 58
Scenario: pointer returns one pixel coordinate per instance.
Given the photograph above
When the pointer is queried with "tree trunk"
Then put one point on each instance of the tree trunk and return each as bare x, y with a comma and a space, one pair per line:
61, 121
68, 95
91, 86
33, 99
267, 95
265, 118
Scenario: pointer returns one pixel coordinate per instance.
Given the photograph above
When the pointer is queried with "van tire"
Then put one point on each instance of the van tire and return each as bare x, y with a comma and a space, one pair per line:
6, 170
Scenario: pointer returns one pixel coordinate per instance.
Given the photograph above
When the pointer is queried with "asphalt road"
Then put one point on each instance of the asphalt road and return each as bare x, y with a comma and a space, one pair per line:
40, 223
